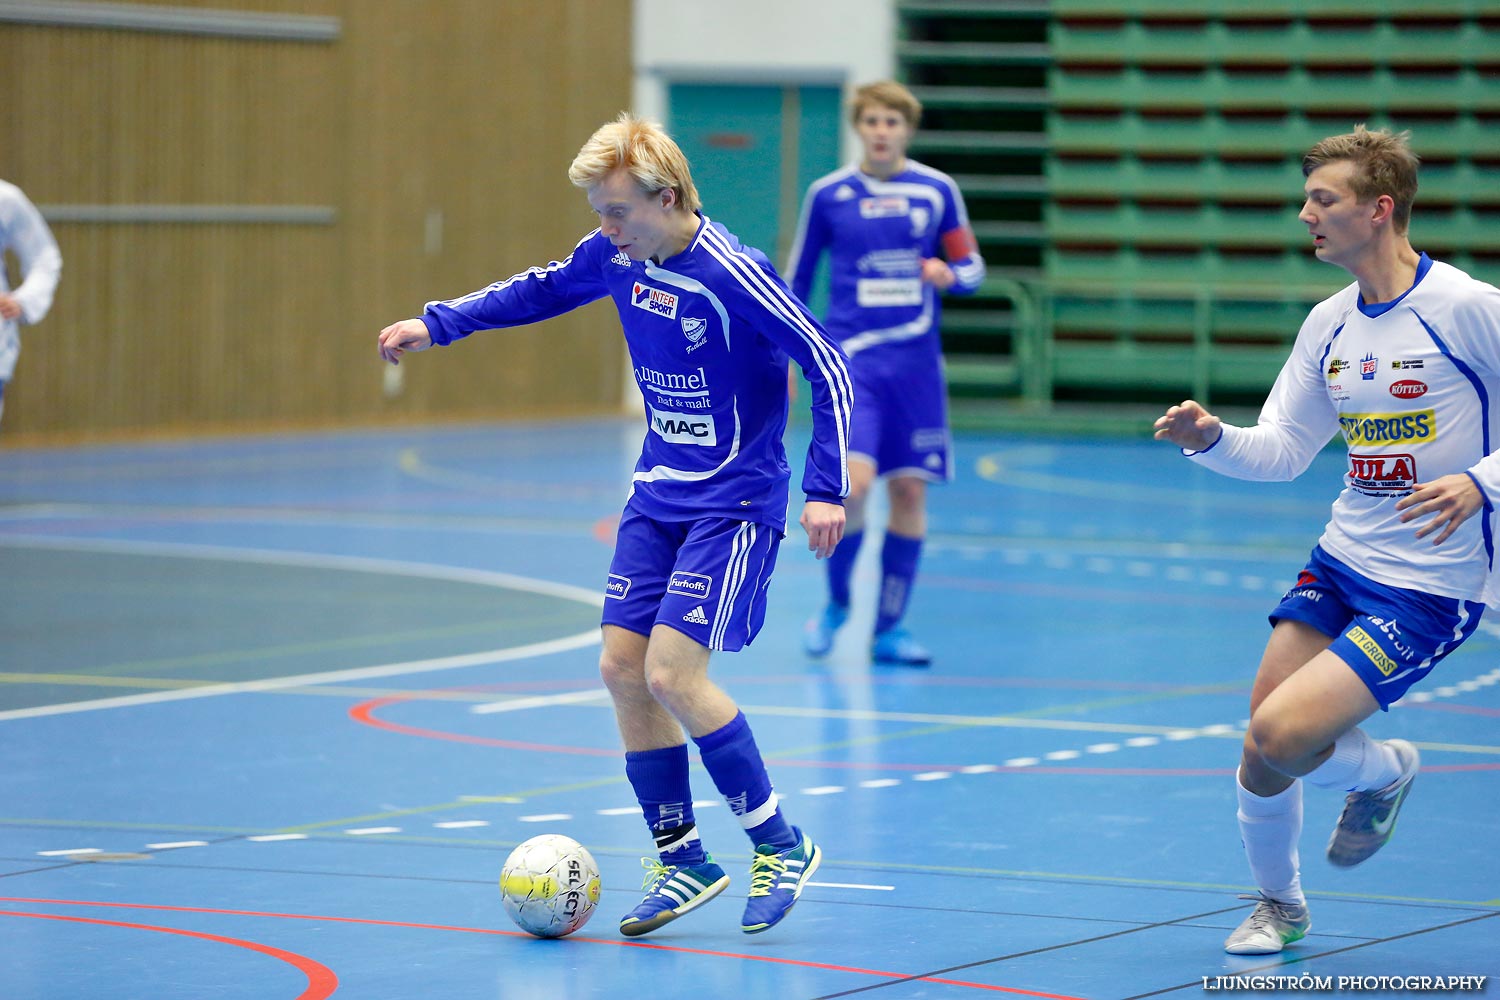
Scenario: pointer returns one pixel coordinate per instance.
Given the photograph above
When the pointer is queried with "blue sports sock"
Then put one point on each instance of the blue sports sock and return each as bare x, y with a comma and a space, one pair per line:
733, 760
841, 568
660, 780
898, 571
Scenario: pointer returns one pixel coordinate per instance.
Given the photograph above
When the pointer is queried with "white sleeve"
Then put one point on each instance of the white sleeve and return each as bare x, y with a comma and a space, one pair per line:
1476, 319
41, 261
1297, 420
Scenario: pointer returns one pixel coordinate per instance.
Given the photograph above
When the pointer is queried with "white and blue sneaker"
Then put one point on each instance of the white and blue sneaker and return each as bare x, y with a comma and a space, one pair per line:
671, 891
817, 635
777, 878
896, 647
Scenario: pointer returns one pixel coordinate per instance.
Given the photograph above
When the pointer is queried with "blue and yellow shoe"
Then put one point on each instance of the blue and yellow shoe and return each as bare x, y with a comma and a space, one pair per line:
671, 891
776, 880
896, 647
817, 635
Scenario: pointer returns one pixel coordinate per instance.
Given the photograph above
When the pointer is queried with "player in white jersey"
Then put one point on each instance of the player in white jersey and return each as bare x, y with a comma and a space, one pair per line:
1406, 363
710, 327
24, 232
896, 234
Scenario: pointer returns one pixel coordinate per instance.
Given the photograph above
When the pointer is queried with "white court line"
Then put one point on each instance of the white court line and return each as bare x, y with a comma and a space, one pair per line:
461, 824
853, 885
176, 844
350, 563
541, 701
70, 852
366, 831
545, 817
267, 838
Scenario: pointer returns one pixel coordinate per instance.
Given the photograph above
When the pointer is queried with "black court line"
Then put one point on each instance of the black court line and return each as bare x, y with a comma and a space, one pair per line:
1024, 954
1283, 963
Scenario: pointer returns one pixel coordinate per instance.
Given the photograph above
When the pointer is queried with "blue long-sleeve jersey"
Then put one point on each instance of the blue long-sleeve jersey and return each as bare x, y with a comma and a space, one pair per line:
876, 234
709, 332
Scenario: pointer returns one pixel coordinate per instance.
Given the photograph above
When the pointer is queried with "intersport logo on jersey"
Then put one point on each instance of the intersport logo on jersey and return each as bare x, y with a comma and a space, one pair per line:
654, 300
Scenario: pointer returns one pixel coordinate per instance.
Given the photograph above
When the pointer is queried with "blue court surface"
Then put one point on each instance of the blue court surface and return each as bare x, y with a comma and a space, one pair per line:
275, 709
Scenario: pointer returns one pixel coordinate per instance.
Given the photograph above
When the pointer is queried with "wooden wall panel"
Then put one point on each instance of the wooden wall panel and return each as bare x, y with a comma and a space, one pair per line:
462, 114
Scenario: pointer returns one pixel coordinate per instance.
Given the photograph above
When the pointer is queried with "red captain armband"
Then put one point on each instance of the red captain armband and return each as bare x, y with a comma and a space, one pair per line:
959, 243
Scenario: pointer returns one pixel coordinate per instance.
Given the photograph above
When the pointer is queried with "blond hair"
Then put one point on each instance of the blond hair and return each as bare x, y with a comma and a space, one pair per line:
890, 94
645, 150
1383, 162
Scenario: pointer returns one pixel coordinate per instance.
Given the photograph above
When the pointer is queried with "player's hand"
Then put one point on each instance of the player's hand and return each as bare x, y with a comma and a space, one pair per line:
1451, 500
791, 384
824, 524
9, 307
937, 273
398, 338
1188, 425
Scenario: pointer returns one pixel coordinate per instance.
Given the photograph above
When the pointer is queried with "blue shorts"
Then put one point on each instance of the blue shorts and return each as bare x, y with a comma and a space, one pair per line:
707, 579
900, 421
1390, 636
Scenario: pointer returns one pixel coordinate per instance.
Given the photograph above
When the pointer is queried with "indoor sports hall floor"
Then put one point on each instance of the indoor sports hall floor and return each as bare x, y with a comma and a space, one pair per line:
275, 709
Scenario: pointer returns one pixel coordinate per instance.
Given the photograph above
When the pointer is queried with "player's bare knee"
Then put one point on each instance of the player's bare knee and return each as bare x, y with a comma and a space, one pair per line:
1277, 745
621, 674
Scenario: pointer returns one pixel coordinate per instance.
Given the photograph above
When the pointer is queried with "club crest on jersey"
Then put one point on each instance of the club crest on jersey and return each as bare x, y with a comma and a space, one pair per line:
696, 331
882, 207
654, 300
1367, 367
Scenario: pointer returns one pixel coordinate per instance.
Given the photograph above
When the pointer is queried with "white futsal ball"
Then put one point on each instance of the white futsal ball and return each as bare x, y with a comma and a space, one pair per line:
550, 885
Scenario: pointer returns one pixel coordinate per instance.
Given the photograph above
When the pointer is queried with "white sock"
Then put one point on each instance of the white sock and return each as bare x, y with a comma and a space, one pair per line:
1358, 763
1269, 829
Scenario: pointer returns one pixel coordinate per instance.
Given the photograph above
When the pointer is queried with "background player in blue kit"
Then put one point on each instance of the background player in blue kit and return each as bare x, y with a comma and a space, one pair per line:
710, 328
1406, 362
896, 233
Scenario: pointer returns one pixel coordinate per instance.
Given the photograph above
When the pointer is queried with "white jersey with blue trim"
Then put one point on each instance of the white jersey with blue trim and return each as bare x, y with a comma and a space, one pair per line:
1413, 385
877, 233
24, 232
709, 332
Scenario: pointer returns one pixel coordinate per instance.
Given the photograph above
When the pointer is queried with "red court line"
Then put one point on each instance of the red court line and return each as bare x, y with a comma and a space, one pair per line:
321, 982
482, 930
364, 712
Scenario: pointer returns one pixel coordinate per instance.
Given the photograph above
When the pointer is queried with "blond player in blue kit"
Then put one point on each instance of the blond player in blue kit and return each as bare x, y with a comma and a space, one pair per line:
710, 328
1406, 363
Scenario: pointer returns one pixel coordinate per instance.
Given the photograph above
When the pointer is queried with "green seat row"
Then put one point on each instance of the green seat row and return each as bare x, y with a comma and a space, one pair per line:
1269, 227
1216, 42
1210, 179
1213, 133
1212, 88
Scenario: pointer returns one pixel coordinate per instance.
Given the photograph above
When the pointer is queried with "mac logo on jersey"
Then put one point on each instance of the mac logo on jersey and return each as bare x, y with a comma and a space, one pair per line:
654, 300
683, 428
920, 216
696, 331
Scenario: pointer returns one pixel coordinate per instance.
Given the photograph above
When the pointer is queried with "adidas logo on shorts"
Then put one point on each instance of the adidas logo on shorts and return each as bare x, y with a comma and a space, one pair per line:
696, 616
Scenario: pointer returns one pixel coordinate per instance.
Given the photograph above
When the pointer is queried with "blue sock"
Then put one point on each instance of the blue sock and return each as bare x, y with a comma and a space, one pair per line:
660, 780
841, 568
733, 760
898, 571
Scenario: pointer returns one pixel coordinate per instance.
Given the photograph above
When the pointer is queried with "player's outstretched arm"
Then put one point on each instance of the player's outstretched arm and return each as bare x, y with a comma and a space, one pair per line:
398, 338
1188, 425
824, 524
1451, 500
